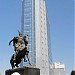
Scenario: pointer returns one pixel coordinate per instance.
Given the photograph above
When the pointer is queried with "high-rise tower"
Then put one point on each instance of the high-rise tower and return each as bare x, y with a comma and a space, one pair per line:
35, 23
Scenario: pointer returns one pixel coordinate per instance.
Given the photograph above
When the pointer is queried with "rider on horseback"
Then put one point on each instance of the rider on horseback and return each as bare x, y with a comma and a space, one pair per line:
21, 49
18, 44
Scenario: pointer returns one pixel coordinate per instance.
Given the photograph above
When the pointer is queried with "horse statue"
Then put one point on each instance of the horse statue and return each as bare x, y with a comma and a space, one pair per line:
21, 55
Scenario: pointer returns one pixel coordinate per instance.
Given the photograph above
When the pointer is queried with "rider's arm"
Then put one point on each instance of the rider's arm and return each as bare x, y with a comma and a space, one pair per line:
10, 41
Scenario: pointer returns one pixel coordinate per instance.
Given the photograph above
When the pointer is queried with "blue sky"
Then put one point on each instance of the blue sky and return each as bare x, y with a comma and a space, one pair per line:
61, 15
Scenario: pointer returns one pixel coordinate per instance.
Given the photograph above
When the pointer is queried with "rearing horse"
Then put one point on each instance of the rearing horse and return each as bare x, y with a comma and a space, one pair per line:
21, 55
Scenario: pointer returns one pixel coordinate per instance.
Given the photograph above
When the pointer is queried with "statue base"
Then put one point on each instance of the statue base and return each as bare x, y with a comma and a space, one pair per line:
23, 71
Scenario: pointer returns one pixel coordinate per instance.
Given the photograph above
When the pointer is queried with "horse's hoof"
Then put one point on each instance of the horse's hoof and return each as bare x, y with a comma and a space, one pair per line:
16, 65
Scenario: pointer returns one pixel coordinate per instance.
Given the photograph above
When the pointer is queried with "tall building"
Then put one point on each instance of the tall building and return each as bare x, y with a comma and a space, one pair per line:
35, 23
58, 68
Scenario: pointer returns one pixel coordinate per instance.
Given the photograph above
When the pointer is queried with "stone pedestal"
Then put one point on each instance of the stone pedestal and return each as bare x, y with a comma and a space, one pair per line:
23, 71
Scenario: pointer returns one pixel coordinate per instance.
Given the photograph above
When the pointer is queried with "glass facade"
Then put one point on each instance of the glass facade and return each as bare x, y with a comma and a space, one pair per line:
28, 27
27, 23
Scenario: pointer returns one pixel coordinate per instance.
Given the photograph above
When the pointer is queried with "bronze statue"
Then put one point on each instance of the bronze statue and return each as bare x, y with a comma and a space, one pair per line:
21, 50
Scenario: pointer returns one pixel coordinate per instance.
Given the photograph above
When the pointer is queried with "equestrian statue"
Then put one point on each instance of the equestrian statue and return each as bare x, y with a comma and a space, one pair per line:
21, 50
